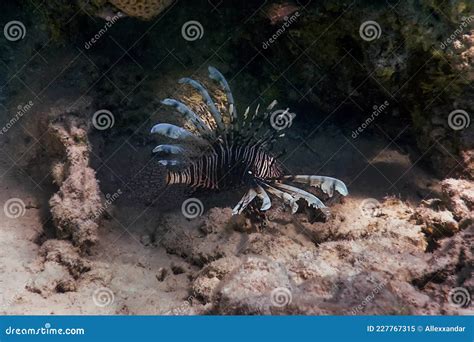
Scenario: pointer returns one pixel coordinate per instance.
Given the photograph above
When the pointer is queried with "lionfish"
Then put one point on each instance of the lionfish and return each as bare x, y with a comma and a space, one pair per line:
223, 150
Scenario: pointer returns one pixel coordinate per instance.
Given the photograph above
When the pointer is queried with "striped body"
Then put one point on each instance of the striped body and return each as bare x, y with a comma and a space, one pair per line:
228, 167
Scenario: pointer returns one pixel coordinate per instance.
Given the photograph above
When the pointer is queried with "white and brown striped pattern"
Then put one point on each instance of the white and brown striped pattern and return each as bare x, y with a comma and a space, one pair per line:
227, 167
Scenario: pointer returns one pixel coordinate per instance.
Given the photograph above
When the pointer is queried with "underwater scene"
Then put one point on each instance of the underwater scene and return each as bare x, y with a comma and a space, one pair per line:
224, 157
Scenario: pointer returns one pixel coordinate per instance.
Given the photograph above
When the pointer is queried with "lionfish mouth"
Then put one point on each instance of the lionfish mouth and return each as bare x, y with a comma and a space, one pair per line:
224, 150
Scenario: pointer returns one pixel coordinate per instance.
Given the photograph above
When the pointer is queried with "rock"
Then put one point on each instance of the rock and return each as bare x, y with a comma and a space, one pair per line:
443, 217
142, 9
60, 267
162, 273
438, 224
76, 207
208, 279
185, 238
146, 240
66, 255
255, 287
277, 248
448, 269
459, 196
51, 280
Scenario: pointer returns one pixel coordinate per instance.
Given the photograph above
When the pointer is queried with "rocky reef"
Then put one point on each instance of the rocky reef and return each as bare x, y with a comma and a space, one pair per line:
383, 96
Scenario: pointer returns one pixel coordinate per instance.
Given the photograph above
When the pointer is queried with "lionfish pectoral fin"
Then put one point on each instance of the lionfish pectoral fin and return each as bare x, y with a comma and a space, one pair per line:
170, 162
327, 184
297, 194
217, 76
244, 202
189, 115
207, 98
285, 197
262, 194
172, 131
168, 149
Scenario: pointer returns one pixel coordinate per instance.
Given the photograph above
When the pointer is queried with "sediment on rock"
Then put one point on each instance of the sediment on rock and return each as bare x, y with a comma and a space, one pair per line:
75, 208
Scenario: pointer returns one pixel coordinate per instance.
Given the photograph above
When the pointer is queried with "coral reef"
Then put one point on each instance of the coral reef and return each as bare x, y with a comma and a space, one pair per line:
359, 269
59, 266
336, 65
75, 207
404, 256
454, 210
142, 9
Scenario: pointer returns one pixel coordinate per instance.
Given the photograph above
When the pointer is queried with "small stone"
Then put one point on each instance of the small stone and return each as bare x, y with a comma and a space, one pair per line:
162, 273
145, 240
